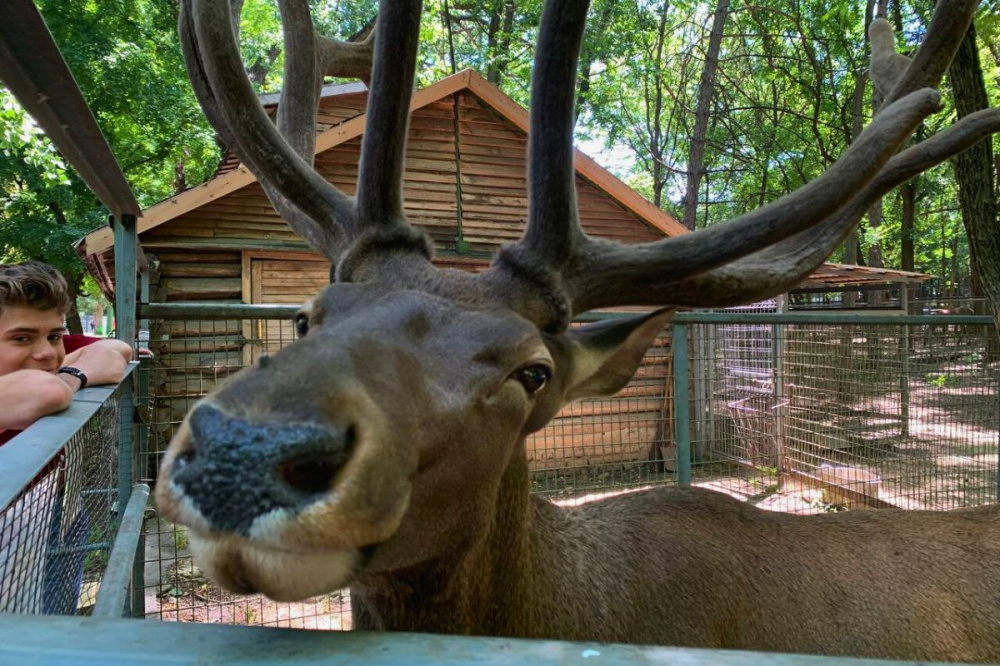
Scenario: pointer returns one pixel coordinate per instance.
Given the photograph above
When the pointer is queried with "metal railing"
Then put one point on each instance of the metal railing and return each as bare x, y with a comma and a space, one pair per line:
60, 498
90, 641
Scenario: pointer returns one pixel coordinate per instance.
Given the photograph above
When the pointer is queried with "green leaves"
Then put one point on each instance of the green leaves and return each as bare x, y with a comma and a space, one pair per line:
125, 57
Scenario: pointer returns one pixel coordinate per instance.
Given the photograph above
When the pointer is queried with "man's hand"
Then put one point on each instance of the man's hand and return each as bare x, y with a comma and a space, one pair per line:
103, 364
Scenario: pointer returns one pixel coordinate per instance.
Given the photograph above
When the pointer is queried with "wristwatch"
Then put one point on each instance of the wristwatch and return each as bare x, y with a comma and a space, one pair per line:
76, 372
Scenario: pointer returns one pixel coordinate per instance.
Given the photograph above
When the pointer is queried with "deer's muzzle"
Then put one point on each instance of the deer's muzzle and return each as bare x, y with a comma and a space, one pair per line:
237, 470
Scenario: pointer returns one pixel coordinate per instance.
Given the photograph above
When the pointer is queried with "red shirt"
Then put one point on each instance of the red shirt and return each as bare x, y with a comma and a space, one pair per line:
72, 342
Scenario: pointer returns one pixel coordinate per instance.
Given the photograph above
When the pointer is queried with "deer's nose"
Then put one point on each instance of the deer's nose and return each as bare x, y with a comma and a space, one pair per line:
237, 470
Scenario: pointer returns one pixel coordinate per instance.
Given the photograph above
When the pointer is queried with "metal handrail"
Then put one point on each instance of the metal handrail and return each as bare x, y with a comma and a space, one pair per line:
829, 318
81, 641
119, 573
24, 456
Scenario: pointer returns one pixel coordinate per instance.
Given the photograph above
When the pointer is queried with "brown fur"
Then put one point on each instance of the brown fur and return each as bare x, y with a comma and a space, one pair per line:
690, 567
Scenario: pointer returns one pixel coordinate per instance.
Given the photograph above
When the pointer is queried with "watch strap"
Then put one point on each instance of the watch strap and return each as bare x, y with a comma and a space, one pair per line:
76, 372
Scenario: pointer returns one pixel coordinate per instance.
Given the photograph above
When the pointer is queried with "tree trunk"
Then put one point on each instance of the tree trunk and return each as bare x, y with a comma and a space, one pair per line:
492, 33
908, 193
703, 110
852, 246
498, 41
974, 173
73, 323
589, 54
656, 128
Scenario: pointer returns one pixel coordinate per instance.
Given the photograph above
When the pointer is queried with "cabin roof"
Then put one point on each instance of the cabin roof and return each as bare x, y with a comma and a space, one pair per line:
231, 177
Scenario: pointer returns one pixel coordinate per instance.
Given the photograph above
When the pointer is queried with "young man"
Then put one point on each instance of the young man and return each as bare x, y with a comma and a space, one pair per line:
44, 532
41, 366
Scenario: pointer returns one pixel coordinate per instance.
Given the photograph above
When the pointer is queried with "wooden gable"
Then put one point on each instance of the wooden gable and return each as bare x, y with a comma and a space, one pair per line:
490, 167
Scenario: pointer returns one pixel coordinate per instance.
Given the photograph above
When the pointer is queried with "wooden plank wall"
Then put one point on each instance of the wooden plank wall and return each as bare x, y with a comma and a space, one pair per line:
201, 258
494, 191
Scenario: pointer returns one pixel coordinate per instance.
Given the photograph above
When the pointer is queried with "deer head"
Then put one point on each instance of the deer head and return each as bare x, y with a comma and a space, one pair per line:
382, 438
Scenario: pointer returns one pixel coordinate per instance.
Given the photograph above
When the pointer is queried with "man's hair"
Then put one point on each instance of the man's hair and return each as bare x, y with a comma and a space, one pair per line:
35, 285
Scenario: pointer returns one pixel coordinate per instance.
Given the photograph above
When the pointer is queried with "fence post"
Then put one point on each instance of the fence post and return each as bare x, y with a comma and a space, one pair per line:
125, 321
904, 382
682, 425
698, 365
778, 370
137, 605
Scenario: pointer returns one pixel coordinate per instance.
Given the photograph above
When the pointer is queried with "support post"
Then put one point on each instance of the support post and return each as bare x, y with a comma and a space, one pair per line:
682, 411
904, 362
698, 365
119, 577
778, 332
125, 328
712, 344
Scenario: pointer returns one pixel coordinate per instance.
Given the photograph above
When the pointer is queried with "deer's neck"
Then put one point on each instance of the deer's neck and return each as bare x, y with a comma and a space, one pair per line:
492, 584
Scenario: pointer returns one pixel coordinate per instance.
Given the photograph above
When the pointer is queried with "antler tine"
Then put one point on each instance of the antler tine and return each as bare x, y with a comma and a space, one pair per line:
948, 26
302, 82
553, 231
352, 60
604, 274
312, 206
383, 149
610, 266
777, 269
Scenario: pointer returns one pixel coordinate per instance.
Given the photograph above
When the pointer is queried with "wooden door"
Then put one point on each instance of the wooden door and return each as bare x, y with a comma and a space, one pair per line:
281, 280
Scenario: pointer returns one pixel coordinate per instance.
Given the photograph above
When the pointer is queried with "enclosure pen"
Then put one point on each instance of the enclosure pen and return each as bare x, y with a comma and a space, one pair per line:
59, 506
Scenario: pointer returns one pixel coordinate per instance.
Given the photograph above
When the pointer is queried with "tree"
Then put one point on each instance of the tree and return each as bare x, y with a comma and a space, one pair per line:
706, 91
974, 171
125, 58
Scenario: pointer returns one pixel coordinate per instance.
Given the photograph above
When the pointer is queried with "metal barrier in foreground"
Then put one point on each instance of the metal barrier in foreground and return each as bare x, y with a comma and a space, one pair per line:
85, 641
60, 503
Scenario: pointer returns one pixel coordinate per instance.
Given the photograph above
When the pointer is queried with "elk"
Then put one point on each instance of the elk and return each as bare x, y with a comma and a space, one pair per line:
384, 449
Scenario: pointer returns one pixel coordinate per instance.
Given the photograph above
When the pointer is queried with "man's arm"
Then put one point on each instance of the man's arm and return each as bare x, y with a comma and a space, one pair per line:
102, 363
27, 395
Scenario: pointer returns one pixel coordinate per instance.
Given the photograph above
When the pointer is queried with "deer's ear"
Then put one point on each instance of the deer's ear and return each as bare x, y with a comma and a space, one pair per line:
604, 356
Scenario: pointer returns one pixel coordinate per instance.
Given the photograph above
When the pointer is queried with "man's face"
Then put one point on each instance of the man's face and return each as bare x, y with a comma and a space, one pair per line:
31, 340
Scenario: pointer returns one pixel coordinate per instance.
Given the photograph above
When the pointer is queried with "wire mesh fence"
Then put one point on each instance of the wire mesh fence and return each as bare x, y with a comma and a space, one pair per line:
827, 415
192, 356
805, 417
56, 532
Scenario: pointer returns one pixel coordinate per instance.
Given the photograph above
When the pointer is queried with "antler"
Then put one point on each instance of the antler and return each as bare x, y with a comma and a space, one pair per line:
760, 254
282, 157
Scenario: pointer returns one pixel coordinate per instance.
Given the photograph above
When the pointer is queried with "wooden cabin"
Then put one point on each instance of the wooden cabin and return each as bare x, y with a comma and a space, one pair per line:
222, 242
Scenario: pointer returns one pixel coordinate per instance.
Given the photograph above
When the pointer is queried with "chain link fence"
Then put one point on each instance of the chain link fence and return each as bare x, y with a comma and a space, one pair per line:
59, 507
822, 413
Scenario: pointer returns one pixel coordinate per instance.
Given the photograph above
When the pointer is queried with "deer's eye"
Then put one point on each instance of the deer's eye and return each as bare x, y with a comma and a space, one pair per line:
533, 377
301, 324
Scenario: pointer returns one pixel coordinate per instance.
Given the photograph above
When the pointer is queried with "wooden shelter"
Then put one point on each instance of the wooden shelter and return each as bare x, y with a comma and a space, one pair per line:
222, 241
